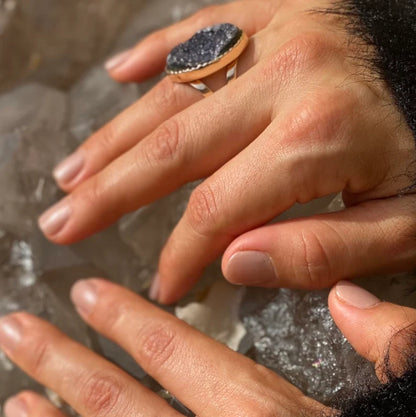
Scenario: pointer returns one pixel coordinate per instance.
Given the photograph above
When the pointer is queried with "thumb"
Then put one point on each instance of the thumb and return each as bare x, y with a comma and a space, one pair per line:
383, 333
371, 238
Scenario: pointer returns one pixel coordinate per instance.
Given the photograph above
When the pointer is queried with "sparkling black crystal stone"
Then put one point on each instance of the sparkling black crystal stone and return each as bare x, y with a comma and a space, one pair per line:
205, 47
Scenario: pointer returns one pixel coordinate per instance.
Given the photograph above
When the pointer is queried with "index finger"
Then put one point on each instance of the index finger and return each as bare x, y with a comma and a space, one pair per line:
184, 361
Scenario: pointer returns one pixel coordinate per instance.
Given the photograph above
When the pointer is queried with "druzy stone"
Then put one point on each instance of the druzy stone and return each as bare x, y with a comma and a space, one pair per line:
205, 47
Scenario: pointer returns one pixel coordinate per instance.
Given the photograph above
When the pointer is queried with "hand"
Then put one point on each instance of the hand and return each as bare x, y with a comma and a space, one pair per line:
206, 376
307, 117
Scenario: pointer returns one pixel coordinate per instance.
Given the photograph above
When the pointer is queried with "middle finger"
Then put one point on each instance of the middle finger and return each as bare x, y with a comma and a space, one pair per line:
190, 145
164, 100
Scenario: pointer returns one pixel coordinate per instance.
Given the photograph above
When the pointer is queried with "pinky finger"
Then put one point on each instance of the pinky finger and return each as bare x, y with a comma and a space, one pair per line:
30, 404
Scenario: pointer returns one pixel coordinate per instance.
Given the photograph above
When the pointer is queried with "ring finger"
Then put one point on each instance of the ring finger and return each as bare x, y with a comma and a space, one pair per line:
148, 57
163, 101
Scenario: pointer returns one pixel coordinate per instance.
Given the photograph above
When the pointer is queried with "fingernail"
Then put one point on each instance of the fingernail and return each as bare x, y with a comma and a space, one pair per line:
154, 288
117, 60
84, 296
54, 219
355, 296
250, 268
10, 333
69, 168
15, 407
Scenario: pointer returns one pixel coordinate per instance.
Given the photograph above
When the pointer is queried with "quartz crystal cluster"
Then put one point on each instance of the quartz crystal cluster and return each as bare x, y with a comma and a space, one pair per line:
53, 94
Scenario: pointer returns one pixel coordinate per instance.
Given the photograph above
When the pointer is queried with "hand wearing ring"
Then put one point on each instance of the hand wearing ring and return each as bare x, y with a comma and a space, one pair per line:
306, 117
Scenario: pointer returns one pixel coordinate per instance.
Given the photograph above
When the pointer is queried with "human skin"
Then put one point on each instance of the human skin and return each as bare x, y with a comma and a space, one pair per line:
205, 375
306, 117
309, 123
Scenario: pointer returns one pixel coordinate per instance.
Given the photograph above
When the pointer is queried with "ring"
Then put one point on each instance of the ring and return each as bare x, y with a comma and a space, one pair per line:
208, 51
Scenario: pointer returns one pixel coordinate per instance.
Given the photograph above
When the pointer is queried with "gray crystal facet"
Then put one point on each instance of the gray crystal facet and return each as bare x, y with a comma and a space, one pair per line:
205, 47
57, 105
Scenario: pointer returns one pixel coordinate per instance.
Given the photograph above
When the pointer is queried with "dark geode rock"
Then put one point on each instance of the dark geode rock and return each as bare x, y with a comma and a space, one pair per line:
204, 48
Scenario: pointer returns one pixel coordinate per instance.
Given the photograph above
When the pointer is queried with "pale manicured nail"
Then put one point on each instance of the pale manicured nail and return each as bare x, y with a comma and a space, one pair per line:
10, 333
84, 296
154, 288
355, 296
15, 407
54, 219
250, 268
117, 60
69, 168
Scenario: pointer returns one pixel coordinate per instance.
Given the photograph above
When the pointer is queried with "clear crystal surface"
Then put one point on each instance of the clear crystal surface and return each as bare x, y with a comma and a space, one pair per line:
294, 334
94, 100
53, 94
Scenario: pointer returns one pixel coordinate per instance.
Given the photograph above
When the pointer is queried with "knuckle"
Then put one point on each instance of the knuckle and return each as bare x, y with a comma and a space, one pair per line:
105, 139
40, 354
157, 345
90, 192
305, 118
202, 211
164, 145
109, 316
315, 268
100, 394
310, 49
320, 118
165, 95
304, 52
93, 193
